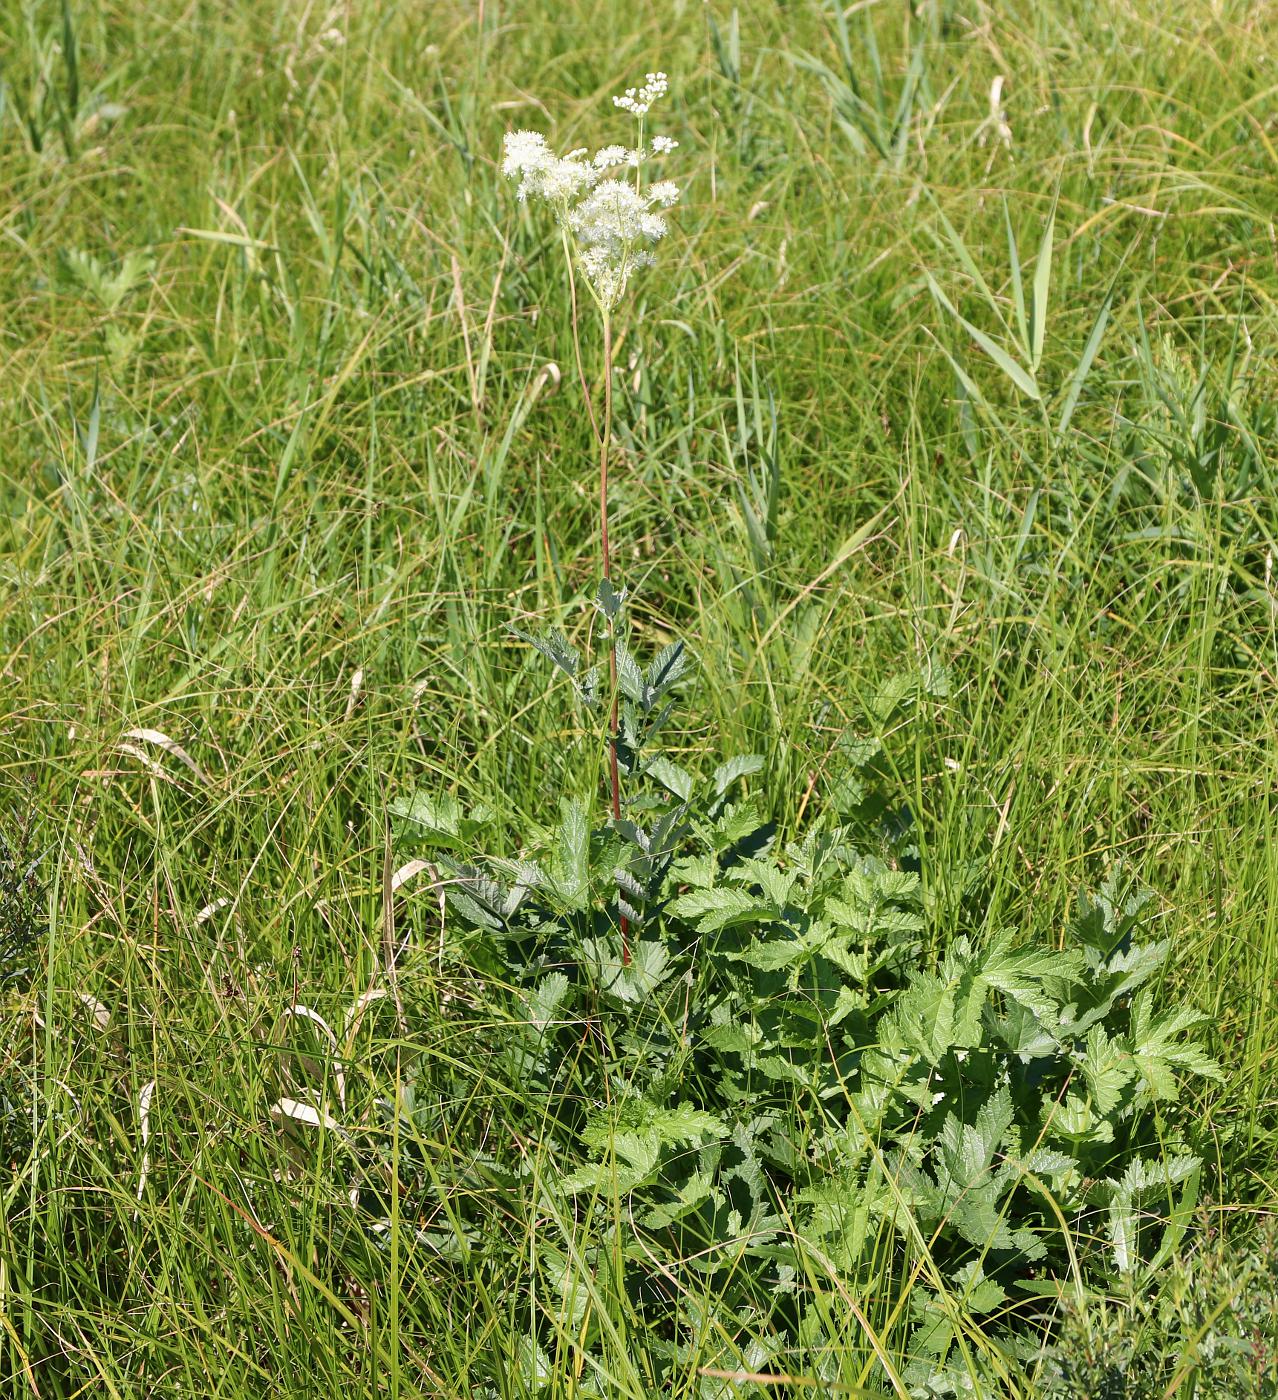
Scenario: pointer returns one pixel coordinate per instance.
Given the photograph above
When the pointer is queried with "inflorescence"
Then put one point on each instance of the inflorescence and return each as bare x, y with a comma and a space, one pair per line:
613, 223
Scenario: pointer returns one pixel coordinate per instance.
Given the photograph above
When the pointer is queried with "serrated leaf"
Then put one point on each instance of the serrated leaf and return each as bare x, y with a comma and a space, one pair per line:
698, 870
1107, 1071
731, 1038
555, 647
708, 911
1124, 1228
739, 767
587, 687
571, 868
978, 1293
545, 1001
671, 777
735, 825
940, 1013
609, 600
438, 814
638, 1134
632, 983
776, 884
892, 692
897, 884
1125, 1216
1025, 1035
667, 667
967, 1149
1158, 1048
1020, 973
478, 898
772, 954
630, 680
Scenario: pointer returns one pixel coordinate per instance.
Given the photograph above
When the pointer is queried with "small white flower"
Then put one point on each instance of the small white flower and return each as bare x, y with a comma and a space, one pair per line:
638, 101
664, 193
611, 155
522, 150
652, 227
663, 145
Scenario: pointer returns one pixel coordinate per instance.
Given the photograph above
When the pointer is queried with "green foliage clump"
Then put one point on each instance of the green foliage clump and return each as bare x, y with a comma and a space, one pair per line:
776, 1072
23, 927
1210, 1329
23, 908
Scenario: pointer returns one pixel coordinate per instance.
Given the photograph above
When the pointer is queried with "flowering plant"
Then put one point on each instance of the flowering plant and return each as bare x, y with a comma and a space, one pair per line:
610, 224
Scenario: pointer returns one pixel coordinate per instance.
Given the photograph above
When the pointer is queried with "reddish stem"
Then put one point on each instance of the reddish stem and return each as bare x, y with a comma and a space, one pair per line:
613, 774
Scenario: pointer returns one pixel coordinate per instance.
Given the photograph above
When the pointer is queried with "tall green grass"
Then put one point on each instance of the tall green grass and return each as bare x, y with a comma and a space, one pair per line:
284, 456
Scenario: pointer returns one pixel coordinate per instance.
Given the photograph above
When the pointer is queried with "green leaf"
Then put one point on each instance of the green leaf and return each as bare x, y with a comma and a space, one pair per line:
1124, 1230
1159, 1051
1038, 305
671, 777
739, 767
737, 823
631, 983
978, 1293
1019, 376
438, 814
940, 1013
638, 1133
776, 884
1081, 370
649, 962
1018, 289
571, 866
731, 1038
772, 954
967, 1149
1020, 973
630, 679
609, 600
546, 1000
708, 911
555, 647
667, 667
697, 870
1140, 1179
1107, 1071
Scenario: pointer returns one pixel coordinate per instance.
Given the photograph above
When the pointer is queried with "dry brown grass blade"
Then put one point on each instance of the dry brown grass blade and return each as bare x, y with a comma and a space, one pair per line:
162, 741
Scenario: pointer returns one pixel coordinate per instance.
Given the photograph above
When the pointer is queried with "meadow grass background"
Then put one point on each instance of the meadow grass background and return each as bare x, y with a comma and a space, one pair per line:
284, 455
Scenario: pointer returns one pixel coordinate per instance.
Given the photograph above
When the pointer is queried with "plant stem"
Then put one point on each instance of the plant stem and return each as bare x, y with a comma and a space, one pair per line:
576, 336
605, 436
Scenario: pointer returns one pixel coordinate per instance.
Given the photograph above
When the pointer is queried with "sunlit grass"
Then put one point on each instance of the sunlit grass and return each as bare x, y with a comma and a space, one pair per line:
275, 489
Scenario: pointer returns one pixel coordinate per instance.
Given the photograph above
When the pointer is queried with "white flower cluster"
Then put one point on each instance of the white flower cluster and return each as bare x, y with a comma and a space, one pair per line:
613, 224
638, 100
615, 227
541, 173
